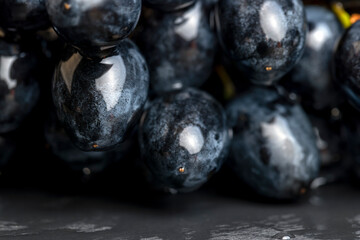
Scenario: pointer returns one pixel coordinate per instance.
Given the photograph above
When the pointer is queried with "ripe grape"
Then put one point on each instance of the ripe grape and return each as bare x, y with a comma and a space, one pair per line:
265, 38
99, 101
347, 65
180, 49
78, 160
274, 145
311, 78
183, 139
94, 25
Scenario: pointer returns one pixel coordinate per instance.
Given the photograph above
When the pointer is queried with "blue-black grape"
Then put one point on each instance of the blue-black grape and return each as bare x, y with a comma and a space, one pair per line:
311, 78
22, 15
99, 101
265, 38
346, 64
183, 139
274, 146
180, 49
170, 5
78, 160
94, 25
19, 88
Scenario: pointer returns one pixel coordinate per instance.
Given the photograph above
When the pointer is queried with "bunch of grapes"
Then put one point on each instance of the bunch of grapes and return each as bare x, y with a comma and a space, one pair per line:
189, 85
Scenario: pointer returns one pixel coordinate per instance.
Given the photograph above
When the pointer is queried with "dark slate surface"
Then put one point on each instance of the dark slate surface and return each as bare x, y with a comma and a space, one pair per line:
331, 212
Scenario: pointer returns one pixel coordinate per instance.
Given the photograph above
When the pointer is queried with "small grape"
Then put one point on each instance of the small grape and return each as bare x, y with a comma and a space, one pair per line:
99, 101
76, 159
183, 138
180, 49
274, 146
347, 65
90, 25
266, 38
311, 78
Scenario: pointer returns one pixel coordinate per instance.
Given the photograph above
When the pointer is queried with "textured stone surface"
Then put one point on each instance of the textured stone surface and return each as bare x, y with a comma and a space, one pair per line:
184, 139
274, 146
180, 48
330, 214
98, 101
265, 37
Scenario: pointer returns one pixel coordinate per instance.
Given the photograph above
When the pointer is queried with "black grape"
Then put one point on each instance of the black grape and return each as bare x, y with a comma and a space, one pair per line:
183, 139
99, 101
274, 146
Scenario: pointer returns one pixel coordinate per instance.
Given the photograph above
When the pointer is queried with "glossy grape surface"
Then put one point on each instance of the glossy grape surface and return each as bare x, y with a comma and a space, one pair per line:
180, 49
274, 145
265, 37
90, 25
311, 78
183, 138
347, 64
99, 101
76, 159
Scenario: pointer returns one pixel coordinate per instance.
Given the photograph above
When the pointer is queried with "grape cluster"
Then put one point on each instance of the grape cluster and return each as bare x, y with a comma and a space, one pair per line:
184, 86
